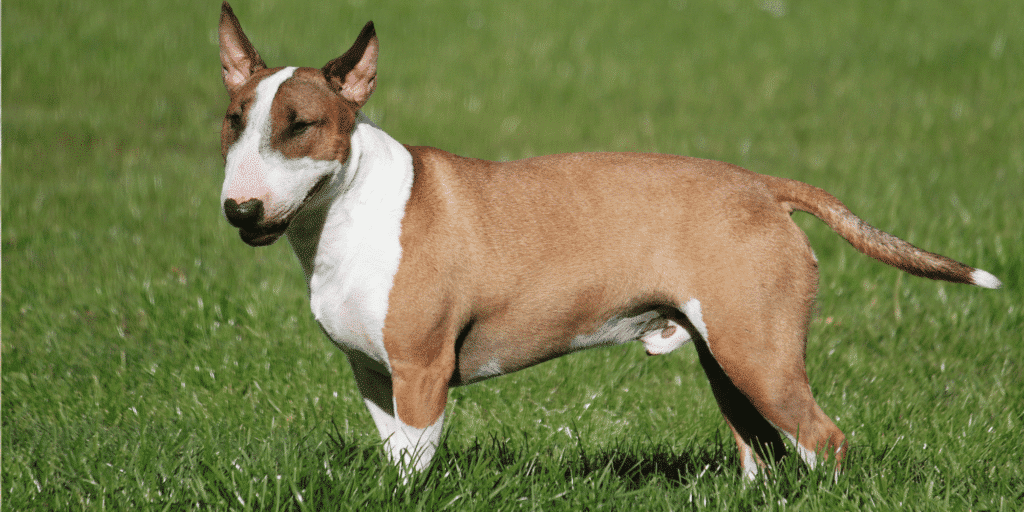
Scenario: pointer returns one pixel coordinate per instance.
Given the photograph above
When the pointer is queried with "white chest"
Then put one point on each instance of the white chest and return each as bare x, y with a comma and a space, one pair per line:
350, 302
350, 247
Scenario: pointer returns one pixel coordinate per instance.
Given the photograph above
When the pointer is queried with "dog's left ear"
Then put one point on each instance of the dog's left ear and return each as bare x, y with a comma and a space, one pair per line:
354, 74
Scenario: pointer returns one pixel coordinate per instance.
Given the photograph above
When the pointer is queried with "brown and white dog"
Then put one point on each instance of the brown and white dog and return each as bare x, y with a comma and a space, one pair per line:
431, 270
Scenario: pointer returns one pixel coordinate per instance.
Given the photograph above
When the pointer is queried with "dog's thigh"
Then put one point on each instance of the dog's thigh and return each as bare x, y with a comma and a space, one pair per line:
757, 439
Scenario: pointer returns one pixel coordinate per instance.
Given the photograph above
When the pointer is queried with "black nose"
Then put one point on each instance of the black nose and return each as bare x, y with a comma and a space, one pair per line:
245, 215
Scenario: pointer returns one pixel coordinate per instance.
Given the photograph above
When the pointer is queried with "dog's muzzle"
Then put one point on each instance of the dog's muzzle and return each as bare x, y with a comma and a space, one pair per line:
247, 218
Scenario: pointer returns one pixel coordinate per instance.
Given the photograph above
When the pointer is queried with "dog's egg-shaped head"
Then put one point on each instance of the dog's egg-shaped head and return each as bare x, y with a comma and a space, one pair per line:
287, 131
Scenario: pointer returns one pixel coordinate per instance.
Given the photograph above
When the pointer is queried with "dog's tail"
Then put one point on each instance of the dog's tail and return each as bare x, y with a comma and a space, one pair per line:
882, 246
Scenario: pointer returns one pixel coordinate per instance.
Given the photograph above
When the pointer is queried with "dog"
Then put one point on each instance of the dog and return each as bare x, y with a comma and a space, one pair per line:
431, 270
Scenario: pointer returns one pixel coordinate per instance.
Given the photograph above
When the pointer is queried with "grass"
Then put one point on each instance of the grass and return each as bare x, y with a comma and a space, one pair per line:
152, 361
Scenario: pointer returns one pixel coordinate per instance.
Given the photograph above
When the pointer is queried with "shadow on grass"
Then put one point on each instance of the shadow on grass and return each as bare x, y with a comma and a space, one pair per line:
633, 463
637, 467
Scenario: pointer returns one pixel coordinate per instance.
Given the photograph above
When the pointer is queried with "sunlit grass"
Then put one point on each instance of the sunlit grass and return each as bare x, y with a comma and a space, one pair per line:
152, 360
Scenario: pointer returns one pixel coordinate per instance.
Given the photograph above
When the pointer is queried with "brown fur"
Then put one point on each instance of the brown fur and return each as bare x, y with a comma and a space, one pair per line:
518, 258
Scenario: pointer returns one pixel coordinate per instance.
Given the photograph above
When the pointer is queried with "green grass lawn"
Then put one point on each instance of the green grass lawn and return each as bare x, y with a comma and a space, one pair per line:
151, 360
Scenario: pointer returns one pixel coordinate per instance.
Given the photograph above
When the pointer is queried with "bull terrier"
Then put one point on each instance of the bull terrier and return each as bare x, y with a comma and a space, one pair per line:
431, 270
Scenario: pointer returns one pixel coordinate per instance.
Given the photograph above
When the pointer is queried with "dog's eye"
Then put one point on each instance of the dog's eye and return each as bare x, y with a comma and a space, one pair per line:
299, 127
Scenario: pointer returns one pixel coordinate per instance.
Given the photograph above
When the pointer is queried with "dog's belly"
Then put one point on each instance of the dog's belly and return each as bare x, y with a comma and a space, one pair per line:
487, 354
618, 330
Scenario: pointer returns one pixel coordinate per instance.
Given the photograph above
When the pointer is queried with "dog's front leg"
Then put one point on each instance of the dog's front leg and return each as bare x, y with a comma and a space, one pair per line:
410, 437
376, 390
420, 394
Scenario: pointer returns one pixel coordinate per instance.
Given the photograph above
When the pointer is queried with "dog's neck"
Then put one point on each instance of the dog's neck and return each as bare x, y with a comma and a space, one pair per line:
359, 211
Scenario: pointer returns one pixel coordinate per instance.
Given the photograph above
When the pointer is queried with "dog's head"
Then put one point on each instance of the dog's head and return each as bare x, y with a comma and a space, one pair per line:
287, 132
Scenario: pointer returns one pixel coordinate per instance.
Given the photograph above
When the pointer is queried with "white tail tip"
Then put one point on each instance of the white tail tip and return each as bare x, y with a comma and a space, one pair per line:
984, 279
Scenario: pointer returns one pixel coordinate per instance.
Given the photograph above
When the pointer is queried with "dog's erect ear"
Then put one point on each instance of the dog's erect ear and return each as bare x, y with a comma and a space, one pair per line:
238, 59
354, 74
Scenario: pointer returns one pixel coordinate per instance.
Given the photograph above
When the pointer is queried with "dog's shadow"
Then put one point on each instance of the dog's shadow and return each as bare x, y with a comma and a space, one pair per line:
637, 469
633, 462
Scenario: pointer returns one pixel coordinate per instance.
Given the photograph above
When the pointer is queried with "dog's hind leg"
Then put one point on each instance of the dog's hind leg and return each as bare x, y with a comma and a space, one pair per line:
760, 383
758, 441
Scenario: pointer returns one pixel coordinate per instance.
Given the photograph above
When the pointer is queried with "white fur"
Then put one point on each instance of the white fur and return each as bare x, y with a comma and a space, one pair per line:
656, 343
693, 313
750, 467
491, 369
985, 280
616, 331
386, 424
346, 238
808, 456
409, 448
412, 448
352, 268
623, 329
255, 171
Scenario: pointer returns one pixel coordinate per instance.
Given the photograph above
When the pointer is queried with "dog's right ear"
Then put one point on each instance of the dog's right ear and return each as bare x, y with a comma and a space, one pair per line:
238, 59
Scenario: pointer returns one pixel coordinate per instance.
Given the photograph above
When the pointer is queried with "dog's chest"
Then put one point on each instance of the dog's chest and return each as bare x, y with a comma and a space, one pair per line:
350, 304
357, 250
352, 277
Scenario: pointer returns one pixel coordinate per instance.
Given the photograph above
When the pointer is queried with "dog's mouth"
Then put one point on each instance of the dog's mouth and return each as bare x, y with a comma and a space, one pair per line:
259, 236
262, 237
